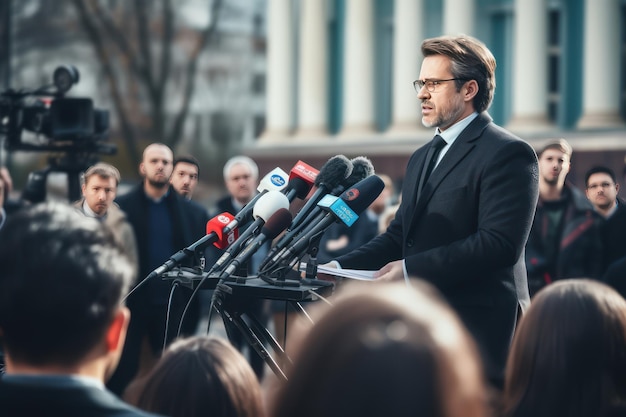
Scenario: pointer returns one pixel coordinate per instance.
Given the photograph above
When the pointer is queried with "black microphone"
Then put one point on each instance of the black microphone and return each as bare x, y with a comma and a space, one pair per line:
346, 208
276, 179
272, 228
362, 168
265, 208
332, 174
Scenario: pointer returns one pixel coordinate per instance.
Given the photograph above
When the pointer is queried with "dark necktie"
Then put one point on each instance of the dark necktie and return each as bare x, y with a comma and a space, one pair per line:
429, 163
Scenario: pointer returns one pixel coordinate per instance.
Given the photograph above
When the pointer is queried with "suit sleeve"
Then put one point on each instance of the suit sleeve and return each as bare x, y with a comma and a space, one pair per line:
386, 247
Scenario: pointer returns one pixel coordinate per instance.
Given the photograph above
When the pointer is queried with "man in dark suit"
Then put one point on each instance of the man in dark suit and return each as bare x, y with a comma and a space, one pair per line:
601, 188
164, 223
61, 317
463, 227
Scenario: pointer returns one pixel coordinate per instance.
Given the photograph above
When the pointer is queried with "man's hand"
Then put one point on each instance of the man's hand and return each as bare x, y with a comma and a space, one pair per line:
6, 185
327, 277
393, 271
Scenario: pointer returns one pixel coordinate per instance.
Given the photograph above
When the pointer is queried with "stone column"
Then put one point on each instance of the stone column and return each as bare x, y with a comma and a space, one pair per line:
313, 78
358, 76
407, 58
280, 71
601, 93
458, 17
530, 67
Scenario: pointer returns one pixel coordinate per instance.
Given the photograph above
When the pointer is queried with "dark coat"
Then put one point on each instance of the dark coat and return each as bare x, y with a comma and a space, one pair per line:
149, 317
25, 399
466, 233
613, 231
580, 249
188, 219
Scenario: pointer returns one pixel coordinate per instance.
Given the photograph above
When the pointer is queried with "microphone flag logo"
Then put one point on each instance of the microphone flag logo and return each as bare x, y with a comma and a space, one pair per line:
277, 180
351, 194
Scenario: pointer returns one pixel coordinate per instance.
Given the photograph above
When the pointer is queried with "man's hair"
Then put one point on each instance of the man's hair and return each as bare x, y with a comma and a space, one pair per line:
470, 60
188, 159
599, 170
558, 144
244, 160
103, 170
63, 276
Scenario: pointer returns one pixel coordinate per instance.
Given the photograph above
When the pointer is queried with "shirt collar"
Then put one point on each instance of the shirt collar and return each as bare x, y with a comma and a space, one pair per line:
451, 133
54, 380
90, 213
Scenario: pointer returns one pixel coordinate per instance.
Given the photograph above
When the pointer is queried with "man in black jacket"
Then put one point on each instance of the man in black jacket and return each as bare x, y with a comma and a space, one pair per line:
464, 226
601, 189
164, 223
61, 317
564, 241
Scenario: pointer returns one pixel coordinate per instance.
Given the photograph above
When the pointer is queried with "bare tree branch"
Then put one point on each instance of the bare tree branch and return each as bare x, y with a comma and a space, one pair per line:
143, 37
117, 36
192, 65
92, 31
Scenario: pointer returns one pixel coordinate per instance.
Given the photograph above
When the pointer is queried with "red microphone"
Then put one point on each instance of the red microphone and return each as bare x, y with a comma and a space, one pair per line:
216, 226
301, 179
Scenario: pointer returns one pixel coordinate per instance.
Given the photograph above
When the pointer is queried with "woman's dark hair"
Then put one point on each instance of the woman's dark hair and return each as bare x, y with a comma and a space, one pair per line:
384, 349
202, 377
568, 357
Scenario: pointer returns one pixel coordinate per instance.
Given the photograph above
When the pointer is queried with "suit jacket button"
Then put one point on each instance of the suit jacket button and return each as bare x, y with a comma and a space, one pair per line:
409, 243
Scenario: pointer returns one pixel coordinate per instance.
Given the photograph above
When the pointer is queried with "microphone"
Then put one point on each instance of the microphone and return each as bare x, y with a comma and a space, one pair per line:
345, 208
362, 168
301, 179
216, 235
217, 225
332, 174
336, 175
268, 205
276, 180
274, 225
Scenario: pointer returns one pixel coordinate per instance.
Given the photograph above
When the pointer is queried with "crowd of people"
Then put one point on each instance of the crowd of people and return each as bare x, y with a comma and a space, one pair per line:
499, 286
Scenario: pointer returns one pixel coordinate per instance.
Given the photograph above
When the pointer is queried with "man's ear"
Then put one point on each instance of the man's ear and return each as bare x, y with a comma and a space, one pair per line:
471, 89
116, 333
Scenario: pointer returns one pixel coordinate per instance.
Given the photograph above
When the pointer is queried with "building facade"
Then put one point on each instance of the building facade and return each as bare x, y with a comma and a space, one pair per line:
340, 73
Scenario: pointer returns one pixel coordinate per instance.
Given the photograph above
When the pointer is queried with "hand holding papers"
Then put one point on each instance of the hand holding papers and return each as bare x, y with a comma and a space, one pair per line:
358, 274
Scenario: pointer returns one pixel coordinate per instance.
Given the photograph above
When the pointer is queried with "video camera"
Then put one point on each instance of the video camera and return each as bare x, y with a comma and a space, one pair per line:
66, 124
72, 128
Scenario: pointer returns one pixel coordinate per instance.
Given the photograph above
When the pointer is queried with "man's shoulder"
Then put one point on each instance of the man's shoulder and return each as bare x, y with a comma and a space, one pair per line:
578, 200
132, 194
225, 204
20, 399
195, 208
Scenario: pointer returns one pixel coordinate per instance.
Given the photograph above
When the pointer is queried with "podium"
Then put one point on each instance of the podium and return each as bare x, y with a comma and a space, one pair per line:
232, 296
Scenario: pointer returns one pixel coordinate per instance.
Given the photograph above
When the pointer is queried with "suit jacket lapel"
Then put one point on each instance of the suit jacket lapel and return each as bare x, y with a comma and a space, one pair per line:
457, 152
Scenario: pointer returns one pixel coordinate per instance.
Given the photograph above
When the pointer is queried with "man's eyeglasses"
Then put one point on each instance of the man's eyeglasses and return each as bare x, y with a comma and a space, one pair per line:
432, 85
604, 186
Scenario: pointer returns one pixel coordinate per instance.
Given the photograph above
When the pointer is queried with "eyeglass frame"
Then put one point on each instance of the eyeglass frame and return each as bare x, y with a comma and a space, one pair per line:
425, 83
604, 185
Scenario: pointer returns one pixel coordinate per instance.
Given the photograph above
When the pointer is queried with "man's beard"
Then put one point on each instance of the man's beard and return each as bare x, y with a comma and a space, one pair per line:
158, 184
552, 180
